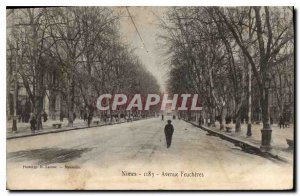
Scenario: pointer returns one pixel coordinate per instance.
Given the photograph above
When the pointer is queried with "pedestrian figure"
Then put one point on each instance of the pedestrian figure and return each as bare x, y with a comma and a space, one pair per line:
174, 117
45, 116
162, 117
281, 122
271, 120
169, 129
286, 121
74, 116
85, 117
227, 119
200, 120
90, 117
27, 117
33, 123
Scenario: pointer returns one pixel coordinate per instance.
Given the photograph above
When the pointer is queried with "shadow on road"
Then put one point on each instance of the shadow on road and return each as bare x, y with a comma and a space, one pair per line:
47, 155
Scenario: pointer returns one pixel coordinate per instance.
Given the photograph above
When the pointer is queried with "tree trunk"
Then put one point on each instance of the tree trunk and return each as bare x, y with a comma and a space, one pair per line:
71, 91
52, 100
265, 111
39, 99
39, 109
238, 123
222, 118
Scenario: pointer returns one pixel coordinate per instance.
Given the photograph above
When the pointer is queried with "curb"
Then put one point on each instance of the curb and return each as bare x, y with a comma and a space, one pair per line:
67, 129
245, 145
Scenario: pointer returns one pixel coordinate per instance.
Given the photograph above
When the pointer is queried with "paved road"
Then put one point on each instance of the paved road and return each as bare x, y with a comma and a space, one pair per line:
106, 157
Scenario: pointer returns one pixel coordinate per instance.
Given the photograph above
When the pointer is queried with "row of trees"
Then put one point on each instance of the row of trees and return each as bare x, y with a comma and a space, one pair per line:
74, 51
214, 51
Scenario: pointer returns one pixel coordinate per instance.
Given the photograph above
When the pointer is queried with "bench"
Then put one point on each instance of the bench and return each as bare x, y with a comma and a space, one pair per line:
228, 128
290, 143
97, 122
56, 125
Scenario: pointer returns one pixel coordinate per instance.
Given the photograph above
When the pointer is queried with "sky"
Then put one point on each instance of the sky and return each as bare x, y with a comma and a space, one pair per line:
150, 53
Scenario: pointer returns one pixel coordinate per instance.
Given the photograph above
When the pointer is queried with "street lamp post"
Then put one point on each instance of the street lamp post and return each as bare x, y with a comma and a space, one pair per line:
266, 132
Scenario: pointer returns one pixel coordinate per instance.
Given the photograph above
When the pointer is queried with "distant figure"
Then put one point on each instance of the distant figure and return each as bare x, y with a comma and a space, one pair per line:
27, 117
271, 120
281, 122
85, 117
174, 117
200, 120
33, 123
122, 116
162, 117
286, 121
227, 119
74, 116
90, 117
45, 116
169, 129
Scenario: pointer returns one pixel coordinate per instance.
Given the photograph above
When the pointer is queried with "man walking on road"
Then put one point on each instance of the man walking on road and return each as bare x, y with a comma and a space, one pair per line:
169, 129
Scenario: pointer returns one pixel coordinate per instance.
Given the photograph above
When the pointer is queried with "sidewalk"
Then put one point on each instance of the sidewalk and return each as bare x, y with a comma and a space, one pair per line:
24, 128
278, 142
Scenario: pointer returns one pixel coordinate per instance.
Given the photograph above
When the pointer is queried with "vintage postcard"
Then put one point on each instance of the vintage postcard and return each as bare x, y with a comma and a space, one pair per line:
150, 98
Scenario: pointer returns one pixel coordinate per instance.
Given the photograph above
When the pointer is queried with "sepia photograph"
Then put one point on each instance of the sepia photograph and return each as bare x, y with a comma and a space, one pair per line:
150, 98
